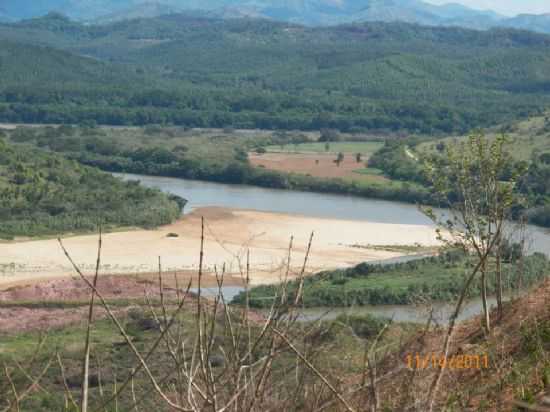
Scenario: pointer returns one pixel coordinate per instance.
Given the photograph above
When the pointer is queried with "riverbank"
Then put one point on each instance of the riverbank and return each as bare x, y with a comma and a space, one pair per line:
431, 279
229, 233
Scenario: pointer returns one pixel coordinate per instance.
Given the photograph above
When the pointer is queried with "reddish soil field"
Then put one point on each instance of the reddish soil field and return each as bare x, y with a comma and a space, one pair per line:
25, 317
110, 286
314, 164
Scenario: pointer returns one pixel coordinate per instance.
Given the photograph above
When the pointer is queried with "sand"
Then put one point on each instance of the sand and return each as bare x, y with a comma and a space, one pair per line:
229, 233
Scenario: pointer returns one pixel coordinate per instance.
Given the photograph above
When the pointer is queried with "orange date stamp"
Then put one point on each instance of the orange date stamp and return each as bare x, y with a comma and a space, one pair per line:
455, 362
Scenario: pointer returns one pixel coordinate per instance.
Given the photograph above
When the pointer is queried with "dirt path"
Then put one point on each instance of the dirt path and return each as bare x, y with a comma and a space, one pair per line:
229, 233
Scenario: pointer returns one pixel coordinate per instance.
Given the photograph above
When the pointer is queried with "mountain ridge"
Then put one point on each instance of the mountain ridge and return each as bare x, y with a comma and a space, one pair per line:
304, 12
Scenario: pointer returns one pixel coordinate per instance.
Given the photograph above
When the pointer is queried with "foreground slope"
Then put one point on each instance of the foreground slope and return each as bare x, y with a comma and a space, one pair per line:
517, 350
517, 372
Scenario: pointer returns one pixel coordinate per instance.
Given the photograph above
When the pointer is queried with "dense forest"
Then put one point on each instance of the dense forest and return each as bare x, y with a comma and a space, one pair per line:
248, 73
45, 194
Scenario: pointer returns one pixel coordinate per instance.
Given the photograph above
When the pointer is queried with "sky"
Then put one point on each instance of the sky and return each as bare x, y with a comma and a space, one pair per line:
506, 7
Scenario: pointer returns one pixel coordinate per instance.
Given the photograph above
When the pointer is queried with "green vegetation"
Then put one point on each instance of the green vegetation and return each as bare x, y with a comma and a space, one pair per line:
529, 149
397, 162
221, 156
365, 148
45, 194
526, 148
370, 171
112, 360
435, 278
527, 138
203, 155
247, 73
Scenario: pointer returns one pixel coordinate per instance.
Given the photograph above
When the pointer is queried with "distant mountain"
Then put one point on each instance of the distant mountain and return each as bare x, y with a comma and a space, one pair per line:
532, 22
307, 12
143, 10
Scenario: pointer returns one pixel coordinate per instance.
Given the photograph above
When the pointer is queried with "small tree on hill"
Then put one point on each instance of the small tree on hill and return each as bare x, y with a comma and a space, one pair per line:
339, 159
469, 178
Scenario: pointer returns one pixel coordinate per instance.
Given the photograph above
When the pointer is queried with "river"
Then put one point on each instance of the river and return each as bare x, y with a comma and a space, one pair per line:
399, 313
202, 194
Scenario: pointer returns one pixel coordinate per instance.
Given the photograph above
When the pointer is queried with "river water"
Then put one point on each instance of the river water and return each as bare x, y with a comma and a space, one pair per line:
310, 204
439, 311
202, 194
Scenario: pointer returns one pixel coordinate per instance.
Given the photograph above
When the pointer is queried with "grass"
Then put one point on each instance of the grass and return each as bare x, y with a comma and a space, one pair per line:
365, 148
526, 137
220, 146
367, 180
435, 278
70, 338
369, 171
341, 345
416, 248
201, 144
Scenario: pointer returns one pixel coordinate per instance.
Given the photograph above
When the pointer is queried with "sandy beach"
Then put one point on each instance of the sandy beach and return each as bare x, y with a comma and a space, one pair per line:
229, 233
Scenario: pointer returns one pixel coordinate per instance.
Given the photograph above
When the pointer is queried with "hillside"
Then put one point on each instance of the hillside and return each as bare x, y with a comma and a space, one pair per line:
143, 10
40, 82
44, 194
518, 367
529, 22
513, 368
258, 74
39, 65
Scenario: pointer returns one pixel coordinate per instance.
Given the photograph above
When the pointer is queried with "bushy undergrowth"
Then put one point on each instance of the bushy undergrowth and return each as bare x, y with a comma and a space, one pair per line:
438, 278
44, 194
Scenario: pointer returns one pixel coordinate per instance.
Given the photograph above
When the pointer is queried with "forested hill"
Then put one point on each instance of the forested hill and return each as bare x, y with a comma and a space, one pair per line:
43, 65
255, 73
44, 194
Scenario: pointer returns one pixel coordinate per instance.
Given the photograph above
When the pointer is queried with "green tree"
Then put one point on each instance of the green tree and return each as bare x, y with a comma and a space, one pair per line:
329, 135
339, 159
469, 178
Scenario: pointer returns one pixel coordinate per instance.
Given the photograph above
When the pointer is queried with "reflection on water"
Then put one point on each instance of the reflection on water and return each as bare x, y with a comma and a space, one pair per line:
202, 194
399, 313
228, 292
